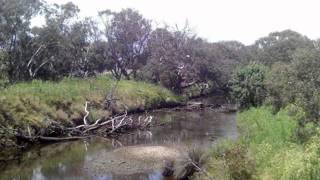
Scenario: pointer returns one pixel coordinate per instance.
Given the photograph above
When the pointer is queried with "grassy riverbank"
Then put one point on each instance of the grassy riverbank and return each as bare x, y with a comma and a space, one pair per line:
268, 148
35, 105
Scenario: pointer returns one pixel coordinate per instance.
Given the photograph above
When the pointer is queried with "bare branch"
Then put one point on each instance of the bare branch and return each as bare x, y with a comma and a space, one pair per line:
87, 114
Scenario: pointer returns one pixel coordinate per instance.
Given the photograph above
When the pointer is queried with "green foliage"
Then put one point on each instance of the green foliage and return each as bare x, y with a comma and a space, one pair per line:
64, 46
179, 59
199, 89
279, 47
306, 131
127, 34
3, 80
305, 67
240, 165
268, 140
279, 84
296, 162
230, 160
247, 85
14, 35
297, 83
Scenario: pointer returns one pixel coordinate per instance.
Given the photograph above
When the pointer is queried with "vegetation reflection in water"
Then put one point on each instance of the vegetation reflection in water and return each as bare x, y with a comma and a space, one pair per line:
72, 160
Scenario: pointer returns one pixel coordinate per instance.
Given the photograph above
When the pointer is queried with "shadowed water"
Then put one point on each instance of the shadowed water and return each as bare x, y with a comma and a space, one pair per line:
71, 160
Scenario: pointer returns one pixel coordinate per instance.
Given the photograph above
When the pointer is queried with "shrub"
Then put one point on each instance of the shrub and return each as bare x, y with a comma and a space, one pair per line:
296, 162
298, 83
305, 67
230, 160
240, 164
279, 82
247, 85
271, 140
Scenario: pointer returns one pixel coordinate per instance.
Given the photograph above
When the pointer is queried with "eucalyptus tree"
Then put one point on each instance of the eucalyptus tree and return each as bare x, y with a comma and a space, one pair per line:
15, 35
51, 42
65, 44
168, 58
280, 46
127, 33
83, 39
178, 59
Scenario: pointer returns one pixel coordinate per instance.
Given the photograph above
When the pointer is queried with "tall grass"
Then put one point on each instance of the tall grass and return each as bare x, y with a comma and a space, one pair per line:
265, 134
259, 125
267, 149
36, 104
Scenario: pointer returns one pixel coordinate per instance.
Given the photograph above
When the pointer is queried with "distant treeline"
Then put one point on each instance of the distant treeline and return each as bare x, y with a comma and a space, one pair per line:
128, 47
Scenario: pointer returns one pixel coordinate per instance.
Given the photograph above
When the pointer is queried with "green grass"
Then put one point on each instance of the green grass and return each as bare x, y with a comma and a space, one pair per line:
38, 103
267, 149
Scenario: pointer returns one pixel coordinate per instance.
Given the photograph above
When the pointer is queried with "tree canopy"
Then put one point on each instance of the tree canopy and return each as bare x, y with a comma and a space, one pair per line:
129, 46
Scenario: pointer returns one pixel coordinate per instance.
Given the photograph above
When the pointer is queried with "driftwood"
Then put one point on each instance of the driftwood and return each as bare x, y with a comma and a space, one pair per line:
104, 126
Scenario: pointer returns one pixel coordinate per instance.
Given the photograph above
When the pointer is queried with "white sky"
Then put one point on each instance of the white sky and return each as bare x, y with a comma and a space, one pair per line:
216, 20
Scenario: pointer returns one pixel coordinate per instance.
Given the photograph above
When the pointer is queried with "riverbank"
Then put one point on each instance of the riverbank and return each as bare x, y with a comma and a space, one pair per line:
30, 108
267, 148
179, 131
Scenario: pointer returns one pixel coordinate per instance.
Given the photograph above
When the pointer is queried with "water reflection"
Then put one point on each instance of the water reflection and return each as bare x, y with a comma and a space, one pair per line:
67, 160
199, 128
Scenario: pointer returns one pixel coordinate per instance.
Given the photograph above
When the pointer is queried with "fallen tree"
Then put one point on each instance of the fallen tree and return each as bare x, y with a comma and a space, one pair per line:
106, 126
111, 125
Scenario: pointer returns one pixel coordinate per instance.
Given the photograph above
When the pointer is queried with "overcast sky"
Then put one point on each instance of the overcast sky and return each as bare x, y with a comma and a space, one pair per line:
216, 20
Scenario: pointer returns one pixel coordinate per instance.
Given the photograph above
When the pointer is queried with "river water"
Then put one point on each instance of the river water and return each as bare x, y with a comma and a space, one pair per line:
73, 160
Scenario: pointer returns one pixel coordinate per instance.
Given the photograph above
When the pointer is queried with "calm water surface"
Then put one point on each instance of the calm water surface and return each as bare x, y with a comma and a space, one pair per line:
69, 160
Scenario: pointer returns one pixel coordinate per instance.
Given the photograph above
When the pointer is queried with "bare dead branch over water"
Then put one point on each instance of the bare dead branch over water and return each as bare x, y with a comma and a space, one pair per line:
101, 127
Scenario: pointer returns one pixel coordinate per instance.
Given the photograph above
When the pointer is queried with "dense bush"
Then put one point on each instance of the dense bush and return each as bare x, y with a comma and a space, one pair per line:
297, 82
247, 85
240, 165
279, 84
279, 47
268, 148
305, 67
230, 160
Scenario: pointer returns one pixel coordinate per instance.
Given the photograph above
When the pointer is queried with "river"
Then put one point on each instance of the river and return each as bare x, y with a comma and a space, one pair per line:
80, 159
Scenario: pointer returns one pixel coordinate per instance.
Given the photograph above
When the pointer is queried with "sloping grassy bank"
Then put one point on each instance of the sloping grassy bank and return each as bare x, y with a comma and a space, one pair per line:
267, 149
31, 107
